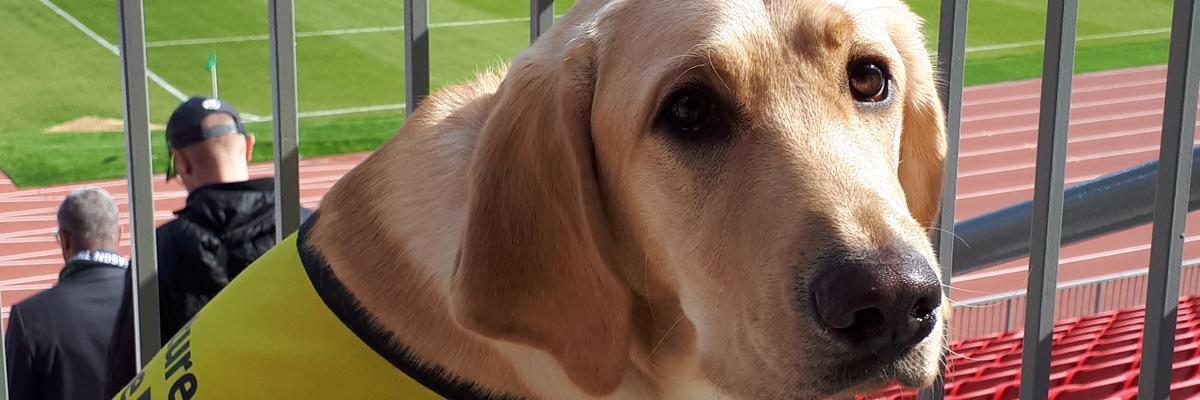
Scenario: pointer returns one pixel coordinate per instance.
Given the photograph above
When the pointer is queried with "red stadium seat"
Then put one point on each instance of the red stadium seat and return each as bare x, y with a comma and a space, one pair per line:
986, 382
989, 393
1185, 352
1097, 373
1088, 331
1117, 342
1058, 366
1008, 392
1071, 341
1094, 357
1124, 329
1189, 389
1068, 352
1093, 391
1185, 370
1104, 357
956, 373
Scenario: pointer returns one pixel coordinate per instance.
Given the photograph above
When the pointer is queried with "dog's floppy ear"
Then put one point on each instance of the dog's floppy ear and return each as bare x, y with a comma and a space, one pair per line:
531, 269
923, 139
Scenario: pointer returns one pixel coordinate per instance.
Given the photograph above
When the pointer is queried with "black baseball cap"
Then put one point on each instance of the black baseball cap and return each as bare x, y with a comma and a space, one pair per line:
184, 127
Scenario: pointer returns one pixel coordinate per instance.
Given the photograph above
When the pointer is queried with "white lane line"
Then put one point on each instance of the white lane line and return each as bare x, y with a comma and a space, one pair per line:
1033, 94
330, 32
1075, 159
1083, 38
1073, 123
1075, 106
343, 111
1022, 188
28, 279
113, 48
43, 286
1070, 140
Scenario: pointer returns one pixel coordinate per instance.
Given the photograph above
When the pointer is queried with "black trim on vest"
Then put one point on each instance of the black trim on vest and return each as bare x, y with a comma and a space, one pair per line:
346, 308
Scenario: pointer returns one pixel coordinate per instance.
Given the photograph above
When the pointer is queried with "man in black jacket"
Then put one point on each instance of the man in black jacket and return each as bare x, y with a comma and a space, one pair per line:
57, 340
226, 224
228, 221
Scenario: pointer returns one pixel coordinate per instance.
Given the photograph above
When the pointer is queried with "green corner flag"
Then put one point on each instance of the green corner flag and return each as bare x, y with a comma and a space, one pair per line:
212, 61
211, 66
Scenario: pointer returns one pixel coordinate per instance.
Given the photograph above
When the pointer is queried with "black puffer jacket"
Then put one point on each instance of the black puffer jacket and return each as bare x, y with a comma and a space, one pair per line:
223, 228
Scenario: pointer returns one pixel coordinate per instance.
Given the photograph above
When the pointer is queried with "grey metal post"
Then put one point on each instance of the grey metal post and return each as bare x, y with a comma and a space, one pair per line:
1170, 203
1096, 308
416, 53
541, 18
132, 44
1008, 315
951, 57
1048, 197
281, 18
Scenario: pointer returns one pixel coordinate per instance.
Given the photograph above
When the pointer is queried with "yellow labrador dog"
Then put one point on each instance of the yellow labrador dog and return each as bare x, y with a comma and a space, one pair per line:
665, 199
659, 200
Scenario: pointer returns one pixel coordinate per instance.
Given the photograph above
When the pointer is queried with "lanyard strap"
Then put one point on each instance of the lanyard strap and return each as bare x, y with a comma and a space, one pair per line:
94, 256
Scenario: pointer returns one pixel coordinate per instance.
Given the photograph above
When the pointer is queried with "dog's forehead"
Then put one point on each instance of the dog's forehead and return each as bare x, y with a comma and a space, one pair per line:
868, 18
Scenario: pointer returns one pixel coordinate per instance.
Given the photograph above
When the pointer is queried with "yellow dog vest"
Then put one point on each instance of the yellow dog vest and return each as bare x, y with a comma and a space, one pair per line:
286, 329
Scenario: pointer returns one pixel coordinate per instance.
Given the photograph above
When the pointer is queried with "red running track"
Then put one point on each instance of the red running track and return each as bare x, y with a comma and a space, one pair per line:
1115, 122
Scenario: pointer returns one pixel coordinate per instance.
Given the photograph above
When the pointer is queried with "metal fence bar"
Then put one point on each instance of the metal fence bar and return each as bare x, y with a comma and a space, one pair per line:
952, 51
281, 18
132, 44
1048, 197
541, 18
416, 53
1170, 201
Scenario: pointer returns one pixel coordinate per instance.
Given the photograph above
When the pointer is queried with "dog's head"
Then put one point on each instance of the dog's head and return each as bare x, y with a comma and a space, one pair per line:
771, 166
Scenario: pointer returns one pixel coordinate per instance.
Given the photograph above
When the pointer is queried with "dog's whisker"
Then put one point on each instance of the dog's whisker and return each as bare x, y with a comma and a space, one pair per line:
664, 337
708, 55
965, 305
956, 236
951, 286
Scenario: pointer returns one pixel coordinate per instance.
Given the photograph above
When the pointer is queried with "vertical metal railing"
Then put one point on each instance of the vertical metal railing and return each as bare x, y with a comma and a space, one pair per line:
132, 45
1170, 208
541, 18
1049, 180
951, 59
281, 18
416, 53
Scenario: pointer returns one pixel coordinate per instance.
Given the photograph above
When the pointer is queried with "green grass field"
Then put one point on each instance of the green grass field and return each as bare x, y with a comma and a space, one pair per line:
60, 74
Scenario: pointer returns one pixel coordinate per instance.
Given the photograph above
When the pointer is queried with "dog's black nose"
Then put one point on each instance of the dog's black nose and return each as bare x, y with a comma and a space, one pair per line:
884, 304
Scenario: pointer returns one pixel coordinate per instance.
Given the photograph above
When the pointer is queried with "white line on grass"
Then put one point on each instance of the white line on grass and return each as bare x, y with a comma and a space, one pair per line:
174, 91
343, 111
331, 32
1084, 38
113, 48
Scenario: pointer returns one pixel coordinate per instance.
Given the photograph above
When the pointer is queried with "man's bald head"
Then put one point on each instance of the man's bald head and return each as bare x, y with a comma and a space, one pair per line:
219, 159
208, 143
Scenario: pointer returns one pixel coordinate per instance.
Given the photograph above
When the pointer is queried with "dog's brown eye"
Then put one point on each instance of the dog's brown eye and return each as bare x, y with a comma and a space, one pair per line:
869, 82
689, 110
